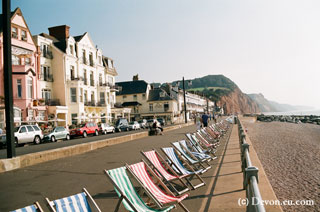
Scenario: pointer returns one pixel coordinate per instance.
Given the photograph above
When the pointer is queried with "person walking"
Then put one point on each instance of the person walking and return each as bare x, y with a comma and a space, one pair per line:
205, 118
198, 121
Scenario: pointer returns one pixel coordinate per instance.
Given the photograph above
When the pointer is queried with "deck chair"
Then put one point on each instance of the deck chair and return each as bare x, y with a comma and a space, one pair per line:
191, 159
198, 146
189, 148
206, 139
140, 173
204, 142
212, 139
127, 193
80, 202
177, 163
164, 171
35, 207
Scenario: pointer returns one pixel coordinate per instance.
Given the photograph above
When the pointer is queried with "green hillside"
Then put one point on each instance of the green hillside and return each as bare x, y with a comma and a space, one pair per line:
211, 86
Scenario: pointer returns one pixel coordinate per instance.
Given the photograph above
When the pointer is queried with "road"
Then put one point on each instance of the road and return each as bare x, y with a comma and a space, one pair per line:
63, 177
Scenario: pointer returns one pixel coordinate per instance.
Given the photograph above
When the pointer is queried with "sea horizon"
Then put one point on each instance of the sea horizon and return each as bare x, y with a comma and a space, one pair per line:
315, 112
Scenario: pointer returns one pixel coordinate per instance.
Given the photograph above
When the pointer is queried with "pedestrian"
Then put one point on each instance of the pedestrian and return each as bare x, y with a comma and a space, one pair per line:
205, 118
198, 121
214, 117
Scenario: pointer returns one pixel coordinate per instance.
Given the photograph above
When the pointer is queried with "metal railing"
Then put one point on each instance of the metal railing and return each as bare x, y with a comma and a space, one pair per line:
250, 175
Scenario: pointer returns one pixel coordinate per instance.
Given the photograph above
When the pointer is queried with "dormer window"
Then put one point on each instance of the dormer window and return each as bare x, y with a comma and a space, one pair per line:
162, 94
14, 32
23, 35
71, 49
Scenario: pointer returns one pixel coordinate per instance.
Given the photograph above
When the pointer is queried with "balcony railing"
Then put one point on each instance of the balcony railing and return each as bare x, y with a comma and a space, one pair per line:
48, 77
92, 103
102, 103
47, 54
73, 78
52, 102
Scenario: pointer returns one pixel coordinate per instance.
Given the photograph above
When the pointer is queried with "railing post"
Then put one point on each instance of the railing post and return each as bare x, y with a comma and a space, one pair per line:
249, 173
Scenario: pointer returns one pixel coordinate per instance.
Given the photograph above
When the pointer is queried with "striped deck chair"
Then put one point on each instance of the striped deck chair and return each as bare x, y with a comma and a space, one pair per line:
127, 193
140, 173
177, 163
164, 171
191, 159
35, 207
81, 202
212, 139
204, 142
199, 146
188, 147
206, 139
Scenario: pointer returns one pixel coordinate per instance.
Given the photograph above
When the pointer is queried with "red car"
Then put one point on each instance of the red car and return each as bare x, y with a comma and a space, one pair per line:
85, 129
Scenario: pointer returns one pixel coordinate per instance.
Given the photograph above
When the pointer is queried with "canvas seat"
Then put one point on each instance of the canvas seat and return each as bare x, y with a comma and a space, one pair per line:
81, 202
192, 160
128, 194
164, 171
162, 198
193, 151
199, 146
182, 167
35, 207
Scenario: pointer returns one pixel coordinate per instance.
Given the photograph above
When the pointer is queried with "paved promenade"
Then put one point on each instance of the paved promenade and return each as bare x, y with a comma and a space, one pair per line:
66, 176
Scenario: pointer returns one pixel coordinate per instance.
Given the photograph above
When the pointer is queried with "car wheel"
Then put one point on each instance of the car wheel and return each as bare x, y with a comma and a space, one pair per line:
96, 132
67, 137
113, 131
105, 132
84, 134
53, 139
127, 128
37, 140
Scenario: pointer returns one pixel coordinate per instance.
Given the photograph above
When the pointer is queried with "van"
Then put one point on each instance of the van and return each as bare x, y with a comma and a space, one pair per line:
122, 125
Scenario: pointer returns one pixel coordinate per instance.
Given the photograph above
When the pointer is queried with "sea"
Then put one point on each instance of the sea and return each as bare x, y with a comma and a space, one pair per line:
296, 112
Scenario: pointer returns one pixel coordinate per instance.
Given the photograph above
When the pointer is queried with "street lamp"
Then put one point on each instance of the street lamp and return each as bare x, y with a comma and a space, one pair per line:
184, 99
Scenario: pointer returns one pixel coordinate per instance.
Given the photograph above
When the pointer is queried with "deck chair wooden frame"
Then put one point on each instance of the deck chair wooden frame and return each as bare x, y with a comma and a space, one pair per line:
184, 165
167, 192
135, 202
206, 139
203, 143
199, 146
191, 159
165, 170
187, 146
35, 207
206, 135
92, 204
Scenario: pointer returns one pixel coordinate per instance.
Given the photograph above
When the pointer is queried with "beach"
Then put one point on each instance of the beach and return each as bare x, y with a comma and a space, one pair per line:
289, 154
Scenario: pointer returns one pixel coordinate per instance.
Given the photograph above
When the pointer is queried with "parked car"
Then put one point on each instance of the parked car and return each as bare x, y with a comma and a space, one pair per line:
85, 130
56, 134
143, 123
161, 121
134, 125
106, 128
25, 134
122, 125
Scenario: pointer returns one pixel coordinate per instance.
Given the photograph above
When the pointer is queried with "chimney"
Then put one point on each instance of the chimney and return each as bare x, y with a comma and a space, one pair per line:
59, 32
135, 78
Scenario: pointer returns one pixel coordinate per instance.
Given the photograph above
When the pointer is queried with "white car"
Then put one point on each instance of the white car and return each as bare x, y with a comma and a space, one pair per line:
28, 133
106, 128
134, 125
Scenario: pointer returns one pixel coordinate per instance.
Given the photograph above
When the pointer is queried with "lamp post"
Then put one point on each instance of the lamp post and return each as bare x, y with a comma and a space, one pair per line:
7, 67
184, 99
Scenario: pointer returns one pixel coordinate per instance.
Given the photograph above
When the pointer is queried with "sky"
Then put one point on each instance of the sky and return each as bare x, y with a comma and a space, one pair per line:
267, 46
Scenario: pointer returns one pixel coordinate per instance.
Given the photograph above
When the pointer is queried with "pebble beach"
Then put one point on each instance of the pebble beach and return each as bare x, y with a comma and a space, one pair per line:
290, 155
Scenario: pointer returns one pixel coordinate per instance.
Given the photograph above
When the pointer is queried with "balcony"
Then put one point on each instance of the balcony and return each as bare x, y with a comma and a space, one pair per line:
102, 103
92, 103
73, 78
47, 78
52, 102
47, 54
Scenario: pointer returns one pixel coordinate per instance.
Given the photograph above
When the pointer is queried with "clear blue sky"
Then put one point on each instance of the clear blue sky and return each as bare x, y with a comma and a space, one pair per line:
270, 47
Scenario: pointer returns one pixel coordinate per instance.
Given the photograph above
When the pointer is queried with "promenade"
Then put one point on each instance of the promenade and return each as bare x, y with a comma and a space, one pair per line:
66, 176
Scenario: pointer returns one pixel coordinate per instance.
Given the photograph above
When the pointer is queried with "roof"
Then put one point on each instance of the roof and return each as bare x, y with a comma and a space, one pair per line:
79, 37
154, 95
127, 104
132, 87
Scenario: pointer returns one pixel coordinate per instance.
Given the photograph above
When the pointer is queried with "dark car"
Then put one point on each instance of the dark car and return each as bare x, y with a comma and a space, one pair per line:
162, 121
122, 125
85, 129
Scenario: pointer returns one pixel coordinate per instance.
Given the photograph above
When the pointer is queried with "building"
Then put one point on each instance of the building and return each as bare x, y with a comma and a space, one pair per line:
84, 80
25, 73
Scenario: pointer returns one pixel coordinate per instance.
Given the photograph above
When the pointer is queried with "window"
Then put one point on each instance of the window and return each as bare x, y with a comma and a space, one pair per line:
102, 99
29, 88
91, 79
19, 88
73, 118
14, 32
166, 106
124, 97
27, 61
24, 35
150, 107
44, 49
46, 94
143, 96
100, 79
30, 129
110, 64
110, 80
134, 97
73, 94
15, 60
41, 116
71, 49
72, 72
85, 76
91, 58
23, 130
85, 95
92, 97
162, 94
45, 74
84, 59
81, 92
